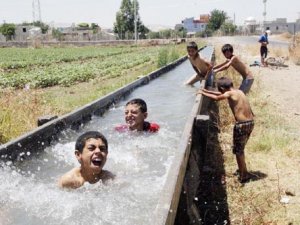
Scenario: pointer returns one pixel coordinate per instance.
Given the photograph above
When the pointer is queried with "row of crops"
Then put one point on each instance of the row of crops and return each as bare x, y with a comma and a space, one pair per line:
65, 66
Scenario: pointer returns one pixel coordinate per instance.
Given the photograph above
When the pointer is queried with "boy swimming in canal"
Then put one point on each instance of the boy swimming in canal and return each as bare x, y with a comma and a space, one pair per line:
135, 116
91, 150
244, 118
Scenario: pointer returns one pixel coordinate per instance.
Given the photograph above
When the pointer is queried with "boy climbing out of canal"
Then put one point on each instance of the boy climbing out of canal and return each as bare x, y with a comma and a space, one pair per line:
202, 67
238, 65
244, 118
91, 151
135, 115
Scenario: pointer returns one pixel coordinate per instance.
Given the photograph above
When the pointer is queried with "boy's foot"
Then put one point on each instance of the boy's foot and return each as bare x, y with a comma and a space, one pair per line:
248, 177
245, 179
236, 173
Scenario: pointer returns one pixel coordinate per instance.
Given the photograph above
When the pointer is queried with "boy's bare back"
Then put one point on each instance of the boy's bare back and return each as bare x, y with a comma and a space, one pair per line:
241, 67
239, 105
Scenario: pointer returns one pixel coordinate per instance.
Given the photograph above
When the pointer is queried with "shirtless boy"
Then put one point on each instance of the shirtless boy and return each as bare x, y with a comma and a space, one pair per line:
238, 65
202, 67
243, 115
135, 115
91, 151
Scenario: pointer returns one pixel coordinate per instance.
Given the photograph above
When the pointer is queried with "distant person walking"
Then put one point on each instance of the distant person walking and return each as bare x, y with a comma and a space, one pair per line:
263, 40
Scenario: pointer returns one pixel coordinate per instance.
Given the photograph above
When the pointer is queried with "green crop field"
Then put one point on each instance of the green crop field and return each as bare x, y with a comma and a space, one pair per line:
39, 68
55, 81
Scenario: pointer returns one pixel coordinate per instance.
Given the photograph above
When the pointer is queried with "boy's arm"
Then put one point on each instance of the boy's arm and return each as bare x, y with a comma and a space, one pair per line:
214, 96
211, 92
220, 65
225, 65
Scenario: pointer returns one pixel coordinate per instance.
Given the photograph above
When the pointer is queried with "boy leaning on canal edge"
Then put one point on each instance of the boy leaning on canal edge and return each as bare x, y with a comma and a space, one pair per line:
238, 65
202, 67
244, 120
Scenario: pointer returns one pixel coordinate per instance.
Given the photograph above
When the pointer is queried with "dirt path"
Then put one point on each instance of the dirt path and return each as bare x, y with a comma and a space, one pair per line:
282, 87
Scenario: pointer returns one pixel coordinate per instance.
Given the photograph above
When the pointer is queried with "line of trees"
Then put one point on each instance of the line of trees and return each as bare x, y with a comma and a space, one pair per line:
124, 26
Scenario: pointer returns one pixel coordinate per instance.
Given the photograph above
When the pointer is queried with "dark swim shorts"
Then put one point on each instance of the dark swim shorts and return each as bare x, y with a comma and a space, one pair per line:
263, 52
241, 134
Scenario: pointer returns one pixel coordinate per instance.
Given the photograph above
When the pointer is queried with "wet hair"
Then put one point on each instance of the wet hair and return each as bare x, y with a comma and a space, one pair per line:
81, 140
140, 102
193, 45
227, 47
224, 83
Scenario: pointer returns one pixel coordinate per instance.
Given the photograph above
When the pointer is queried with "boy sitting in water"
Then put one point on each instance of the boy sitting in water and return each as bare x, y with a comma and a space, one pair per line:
238, 65
243, 115
135, 115
91, 151
202, 67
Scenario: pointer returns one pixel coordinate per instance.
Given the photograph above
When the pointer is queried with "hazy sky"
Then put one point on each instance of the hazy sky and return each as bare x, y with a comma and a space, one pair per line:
152, 12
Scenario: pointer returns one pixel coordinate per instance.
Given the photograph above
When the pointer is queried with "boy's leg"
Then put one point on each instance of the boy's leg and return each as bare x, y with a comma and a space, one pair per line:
210, 79
240, 159
193, 79
246, 85
241, 133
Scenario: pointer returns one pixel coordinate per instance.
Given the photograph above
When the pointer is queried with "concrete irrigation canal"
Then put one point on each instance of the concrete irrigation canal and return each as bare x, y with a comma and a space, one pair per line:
162, 178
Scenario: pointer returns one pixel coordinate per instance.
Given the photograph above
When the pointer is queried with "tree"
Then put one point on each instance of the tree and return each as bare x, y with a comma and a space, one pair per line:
8, 30
56, 33
216, 20
181, 32
124, 25
83, 25
228, 28
44, 27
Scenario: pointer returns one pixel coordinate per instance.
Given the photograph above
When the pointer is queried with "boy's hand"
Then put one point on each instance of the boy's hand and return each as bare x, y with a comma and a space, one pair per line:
200, 92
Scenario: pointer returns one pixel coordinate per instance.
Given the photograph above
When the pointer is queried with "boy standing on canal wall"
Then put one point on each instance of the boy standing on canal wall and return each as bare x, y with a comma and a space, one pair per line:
91, 151
244, 118
202, 67
238, 65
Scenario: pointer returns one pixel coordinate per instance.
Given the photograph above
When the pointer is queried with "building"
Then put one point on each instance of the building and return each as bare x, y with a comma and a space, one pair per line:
84, 34
194, 25
280, 25
250, 25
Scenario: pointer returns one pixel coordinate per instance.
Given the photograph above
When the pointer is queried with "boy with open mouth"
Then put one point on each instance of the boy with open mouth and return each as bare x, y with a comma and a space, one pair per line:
91, 151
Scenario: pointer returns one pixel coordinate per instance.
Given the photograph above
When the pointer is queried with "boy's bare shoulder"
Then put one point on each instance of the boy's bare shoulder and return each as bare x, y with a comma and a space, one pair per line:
71, 179
107, 175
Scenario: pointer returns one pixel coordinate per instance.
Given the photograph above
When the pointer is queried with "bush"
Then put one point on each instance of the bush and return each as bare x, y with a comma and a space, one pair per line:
162, 57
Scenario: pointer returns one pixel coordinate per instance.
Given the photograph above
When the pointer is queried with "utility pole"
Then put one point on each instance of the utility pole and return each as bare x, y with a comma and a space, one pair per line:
135, 22
265, 10
36, 11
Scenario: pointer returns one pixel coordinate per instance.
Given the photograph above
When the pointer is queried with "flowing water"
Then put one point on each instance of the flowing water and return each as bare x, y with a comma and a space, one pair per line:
140, 161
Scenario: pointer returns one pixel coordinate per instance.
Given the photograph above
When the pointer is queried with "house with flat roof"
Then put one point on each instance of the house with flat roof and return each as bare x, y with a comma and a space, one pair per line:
280, 25
194, 25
